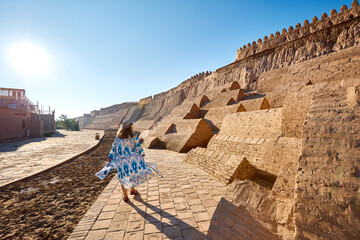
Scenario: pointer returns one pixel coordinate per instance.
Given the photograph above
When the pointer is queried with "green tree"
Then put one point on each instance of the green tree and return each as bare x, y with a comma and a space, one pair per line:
68, 123
63, 120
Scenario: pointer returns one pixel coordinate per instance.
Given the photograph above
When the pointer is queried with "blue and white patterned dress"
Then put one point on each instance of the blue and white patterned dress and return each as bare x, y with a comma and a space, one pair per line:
127, 157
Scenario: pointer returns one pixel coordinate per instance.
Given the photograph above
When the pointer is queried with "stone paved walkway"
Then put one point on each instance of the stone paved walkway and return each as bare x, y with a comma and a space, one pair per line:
26, 157
177, 206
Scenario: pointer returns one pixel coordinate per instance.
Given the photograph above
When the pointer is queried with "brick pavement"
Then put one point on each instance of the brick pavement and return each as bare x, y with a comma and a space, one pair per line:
177, 206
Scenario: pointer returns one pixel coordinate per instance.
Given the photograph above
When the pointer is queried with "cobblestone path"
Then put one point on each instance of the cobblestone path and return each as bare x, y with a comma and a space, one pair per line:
26, 157
177, 206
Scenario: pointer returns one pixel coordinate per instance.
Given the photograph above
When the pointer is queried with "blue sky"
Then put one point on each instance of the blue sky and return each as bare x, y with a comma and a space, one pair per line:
107, 52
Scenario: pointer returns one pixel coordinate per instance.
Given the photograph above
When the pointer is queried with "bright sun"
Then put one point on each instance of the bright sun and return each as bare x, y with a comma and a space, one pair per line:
29, 58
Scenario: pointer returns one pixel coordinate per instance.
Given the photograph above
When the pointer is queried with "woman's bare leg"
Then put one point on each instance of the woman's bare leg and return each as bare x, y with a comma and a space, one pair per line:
124, 191
133, 191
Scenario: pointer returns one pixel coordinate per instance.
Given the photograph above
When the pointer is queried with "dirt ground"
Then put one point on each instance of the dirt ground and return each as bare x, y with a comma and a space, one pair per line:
50, 205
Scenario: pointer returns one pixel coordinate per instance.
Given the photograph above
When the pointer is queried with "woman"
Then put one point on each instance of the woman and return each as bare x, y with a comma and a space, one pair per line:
127, 157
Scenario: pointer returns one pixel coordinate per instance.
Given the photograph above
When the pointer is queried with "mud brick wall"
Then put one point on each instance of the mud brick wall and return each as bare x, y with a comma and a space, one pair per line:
164, 103
221, 99
295, 109
186, 111
152, 109
145, 100
216, 115
142, 125
161, 128
101, 122
326, 29
233, 222
249, 211
221, 87
257, 124
276, 84
199, 100
267, 154
219, 93
255, 136
113, 120
134, 113
187, 134
255, 104
216, 163
339, 31
327, 189
85, 120
118, 118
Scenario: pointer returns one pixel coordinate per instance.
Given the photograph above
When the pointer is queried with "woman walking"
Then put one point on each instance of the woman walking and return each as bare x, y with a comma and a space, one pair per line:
127, 157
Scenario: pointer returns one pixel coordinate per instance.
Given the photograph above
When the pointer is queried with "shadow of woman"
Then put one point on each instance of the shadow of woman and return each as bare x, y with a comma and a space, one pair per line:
174, 227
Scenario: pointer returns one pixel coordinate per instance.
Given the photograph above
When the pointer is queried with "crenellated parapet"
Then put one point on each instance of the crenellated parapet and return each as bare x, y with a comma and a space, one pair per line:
184, 84
116, 107
197, 77
200, 75
95, 113
146, 100
291, 34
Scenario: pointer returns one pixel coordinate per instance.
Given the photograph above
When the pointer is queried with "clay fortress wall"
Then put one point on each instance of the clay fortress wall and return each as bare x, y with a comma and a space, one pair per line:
280, 125
320, 37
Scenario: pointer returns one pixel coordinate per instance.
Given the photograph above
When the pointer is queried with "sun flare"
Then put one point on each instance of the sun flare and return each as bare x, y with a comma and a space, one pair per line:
29, 58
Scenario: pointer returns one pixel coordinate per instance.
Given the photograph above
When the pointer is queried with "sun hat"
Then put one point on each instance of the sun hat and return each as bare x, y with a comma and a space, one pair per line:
126, 124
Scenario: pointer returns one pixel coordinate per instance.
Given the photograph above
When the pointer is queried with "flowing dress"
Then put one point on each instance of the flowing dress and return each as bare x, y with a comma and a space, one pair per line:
127, 157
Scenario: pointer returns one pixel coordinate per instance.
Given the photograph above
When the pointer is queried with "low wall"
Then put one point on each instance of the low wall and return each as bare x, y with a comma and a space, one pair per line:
186, 111
223, 99
216, 115
142, 125
199, 101
255, 104
187, 134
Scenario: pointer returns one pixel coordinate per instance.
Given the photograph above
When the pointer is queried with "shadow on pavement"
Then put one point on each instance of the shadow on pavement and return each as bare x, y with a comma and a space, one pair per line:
13, 145
175, 226
58, 134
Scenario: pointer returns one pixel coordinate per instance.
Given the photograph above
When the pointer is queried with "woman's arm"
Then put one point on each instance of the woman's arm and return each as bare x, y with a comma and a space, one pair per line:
109, 166
105, 171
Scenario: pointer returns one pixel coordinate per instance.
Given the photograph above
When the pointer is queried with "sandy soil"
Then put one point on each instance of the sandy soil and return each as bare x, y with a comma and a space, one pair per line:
50, 205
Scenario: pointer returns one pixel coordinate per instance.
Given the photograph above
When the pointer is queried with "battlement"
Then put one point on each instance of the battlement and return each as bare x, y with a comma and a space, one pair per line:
116, 107
146, 100
95, 113
198, 76
184, 84
293, 34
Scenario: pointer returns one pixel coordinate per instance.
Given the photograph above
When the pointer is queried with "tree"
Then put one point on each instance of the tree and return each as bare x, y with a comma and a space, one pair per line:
67, 123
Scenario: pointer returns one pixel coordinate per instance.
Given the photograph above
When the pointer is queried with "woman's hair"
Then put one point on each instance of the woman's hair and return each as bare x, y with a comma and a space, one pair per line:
125, 133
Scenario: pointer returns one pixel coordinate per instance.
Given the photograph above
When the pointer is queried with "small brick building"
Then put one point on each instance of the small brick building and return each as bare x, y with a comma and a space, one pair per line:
19, 117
